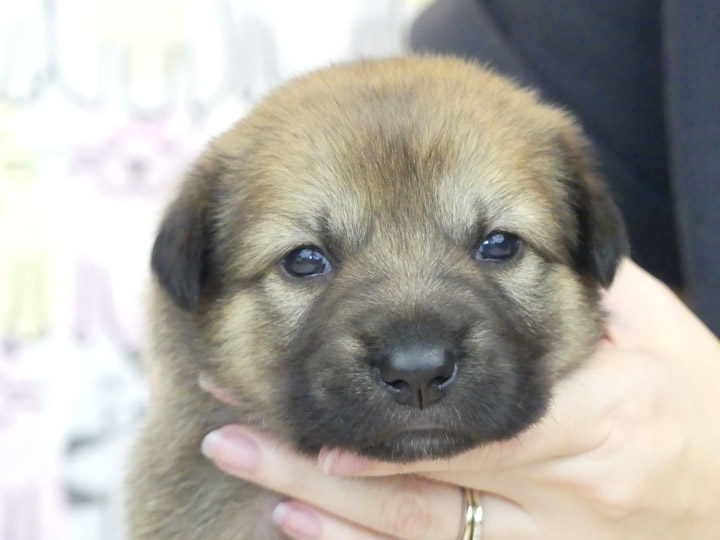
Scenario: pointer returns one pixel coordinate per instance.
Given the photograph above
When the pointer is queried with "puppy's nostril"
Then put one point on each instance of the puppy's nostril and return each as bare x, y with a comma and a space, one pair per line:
397, 385
443, 381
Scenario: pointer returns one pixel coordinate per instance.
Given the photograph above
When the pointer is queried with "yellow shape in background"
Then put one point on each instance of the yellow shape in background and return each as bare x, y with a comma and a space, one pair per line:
152, 34
24, 309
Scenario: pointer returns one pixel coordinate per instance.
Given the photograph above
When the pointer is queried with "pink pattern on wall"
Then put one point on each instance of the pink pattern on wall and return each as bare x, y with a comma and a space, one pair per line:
32, 502
122, 182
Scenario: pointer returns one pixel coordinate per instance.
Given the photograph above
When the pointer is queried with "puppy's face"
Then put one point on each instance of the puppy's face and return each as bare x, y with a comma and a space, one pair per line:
397, 257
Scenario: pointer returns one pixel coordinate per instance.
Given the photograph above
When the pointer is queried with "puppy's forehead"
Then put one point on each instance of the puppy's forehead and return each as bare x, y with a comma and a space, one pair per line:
445, 147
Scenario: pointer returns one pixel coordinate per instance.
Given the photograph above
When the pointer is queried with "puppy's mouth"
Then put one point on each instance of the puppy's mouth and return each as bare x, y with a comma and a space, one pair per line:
418, 444
414, 440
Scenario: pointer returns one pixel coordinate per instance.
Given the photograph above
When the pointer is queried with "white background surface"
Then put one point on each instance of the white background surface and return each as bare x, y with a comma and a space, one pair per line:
102, 105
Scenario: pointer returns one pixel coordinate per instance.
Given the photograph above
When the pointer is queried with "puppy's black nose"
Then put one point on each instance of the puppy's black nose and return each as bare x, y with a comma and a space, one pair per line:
419, 375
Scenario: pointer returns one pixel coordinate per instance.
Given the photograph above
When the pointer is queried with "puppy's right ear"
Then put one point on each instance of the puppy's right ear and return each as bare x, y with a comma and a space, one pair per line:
182, 250
602, 240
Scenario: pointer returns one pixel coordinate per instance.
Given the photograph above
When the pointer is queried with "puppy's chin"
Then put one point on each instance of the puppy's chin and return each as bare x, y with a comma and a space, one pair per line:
403, 447
417, 440
438, 443
418, 445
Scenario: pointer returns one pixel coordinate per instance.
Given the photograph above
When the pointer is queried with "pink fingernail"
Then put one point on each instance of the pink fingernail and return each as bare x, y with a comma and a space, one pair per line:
297, 521
337, 462
221, 394
231, 449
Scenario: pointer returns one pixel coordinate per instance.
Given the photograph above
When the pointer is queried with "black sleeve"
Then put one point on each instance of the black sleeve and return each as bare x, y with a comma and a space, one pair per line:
691, 30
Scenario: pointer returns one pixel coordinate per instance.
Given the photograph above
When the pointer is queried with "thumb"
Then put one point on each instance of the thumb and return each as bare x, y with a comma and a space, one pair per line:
644, 314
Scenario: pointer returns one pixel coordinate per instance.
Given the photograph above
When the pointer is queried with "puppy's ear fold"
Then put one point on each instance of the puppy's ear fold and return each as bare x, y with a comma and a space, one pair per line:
181, 254
602, 239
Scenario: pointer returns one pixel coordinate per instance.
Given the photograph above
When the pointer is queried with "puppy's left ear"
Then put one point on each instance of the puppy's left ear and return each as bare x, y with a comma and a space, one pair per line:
602, 239
181, 255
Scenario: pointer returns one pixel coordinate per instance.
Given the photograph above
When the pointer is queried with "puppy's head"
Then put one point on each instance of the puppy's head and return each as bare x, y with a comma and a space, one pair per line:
398, 257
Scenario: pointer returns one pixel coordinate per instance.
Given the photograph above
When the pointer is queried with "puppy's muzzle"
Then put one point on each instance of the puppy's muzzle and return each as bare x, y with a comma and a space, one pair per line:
416, 375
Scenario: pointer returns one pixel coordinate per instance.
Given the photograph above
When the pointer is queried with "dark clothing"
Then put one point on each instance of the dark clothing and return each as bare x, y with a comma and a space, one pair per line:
643, 76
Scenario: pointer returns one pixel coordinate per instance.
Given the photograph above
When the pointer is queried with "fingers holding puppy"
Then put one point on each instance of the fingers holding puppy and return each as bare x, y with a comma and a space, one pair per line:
505, 521
402, 507
322, 507
304, 522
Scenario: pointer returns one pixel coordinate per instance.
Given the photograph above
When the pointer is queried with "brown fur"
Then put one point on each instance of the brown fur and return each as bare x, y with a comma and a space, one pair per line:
397, 169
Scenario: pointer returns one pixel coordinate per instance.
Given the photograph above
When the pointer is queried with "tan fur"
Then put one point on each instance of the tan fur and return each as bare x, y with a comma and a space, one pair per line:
349, 141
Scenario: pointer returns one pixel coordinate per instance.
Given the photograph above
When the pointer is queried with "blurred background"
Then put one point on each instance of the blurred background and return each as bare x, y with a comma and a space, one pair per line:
102, 105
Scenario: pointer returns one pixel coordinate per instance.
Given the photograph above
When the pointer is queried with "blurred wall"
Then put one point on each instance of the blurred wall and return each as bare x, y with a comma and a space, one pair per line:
102, 105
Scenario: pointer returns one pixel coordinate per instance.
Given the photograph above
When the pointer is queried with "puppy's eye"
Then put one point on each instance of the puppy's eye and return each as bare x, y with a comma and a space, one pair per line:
498, 246
306, 261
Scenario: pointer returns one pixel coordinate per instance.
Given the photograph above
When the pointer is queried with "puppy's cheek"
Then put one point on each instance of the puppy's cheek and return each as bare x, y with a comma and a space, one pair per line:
332, 398
526, 287
579, 322
562, 312
255, 329
326, 363
506, 384
290, 302
557, 309
246, 350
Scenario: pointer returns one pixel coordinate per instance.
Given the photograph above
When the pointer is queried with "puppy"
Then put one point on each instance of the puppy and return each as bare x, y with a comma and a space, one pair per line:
399, 257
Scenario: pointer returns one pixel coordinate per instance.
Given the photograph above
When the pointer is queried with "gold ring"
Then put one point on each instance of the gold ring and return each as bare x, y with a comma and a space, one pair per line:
473, 516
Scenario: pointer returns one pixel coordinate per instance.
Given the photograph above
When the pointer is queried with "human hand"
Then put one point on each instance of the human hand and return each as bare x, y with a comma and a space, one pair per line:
627, 451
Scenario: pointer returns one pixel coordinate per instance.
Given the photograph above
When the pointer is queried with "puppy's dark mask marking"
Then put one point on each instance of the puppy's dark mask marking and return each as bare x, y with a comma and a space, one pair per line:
498, 391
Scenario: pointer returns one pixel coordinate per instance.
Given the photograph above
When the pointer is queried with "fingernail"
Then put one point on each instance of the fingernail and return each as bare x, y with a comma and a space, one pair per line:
206, 383
326, 459
297, 521
337, 462
232, 449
